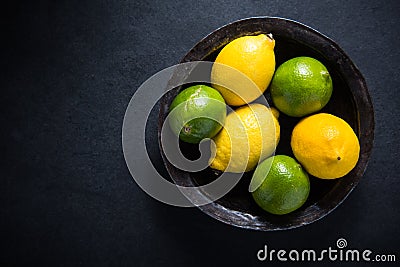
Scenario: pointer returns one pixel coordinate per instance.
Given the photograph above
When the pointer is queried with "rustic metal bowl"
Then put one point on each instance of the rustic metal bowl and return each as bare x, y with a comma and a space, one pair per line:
350, 101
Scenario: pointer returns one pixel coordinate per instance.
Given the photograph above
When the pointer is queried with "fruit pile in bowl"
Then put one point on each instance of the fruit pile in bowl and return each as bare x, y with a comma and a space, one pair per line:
301, 150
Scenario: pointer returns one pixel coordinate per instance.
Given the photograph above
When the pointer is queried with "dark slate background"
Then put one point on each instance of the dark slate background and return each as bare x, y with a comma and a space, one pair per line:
68, 71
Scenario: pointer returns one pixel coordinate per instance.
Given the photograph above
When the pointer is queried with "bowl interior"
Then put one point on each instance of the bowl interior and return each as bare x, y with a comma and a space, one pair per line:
292, 40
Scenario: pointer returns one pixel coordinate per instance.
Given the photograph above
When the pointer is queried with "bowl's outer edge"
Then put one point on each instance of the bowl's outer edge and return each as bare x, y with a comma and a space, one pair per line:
357, 84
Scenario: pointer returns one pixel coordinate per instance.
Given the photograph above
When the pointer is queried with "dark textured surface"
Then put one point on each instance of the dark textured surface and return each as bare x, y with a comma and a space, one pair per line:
69, 69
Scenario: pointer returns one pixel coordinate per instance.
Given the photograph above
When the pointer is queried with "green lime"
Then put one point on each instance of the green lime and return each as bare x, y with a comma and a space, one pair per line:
301, 86
282, 185
197, 113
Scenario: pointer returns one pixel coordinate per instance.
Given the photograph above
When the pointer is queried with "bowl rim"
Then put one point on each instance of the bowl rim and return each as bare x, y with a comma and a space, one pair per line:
361, 97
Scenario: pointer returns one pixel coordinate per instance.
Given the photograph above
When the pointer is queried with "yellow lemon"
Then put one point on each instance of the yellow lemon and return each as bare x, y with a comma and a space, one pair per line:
250, 134
244, 68
325, 145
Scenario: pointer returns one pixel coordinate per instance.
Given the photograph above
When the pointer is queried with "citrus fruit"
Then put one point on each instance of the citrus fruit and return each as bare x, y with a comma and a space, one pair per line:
197, 113
301, 86
282, 185
244, 68
325, 145
250, 134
